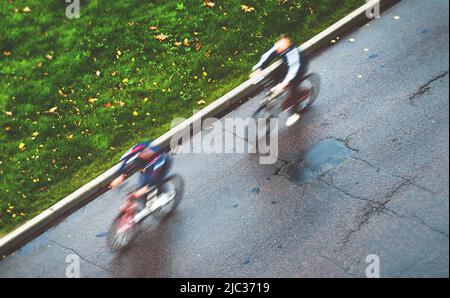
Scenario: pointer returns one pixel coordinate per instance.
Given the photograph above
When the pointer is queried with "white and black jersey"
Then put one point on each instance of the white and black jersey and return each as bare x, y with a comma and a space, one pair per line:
291, 58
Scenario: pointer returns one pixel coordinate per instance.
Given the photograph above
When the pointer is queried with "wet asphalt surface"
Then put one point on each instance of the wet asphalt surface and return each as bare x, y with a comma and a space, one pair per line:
365, 171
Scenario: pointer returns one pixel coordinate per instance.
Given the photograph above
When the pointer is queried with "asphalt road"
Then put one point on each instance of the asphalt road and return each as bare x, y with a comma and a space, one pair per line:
365, 171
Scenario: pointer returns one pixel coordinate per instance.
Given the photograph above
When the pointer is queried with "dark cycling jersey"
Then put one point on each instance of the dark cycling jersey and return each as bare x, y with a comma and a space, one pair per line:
151, 170
291, 58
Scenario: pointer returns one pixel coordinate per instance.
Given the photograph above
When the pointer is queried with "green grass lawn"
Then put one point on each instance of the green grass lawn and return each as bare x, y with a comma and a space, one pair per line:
76, 93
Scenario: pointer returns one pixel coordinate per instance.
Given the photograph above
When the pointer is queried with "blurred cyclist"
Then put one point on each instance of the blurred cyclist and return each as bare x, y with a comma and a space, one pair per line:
152, 163
290, 54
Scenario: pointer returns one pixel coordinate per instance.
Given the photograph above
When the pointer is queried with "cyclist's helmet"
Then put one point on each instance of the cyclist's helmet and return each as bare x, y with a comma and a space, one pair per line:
132, 154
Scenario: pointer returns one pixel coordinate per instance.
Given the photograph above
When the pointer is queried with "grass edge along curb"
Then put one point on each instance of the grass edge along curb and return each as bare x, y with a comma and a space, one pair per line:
84, 194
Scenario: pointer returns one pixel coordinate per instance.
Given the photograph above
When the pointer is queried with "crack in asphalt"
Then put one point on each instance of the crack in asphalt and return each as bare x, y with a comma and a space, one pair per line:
378, 206
420, 221
425, 88
283, 160
346, 192
372, 208
429, 226
237, 136
410, 181
346, 270
81, 257
347, 141
286, 164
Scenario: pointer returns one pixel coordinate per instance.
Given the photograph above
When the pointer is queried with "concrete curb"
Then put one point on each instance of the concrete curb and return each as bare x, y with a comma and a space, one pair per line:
85, 194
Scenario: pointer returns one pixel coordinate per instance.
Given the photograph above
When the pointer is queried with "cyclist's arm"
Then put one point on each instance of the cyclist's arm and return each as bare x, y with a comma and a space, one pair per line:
265, 60
119, 176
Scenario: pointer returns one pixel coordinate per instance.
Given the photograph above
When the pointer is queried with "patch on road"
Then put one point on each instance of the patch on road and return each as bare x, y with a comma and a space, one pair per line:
322, 157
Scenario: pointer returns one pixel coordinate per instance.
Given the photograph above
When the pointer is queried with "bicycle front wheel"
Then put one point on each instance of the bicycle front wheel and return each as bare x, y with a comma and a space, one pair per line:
310, 86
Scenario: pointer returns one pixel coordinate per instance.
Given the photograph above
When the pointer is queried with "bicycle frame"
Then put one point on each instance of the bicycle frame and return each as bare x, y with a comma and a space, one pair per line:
274, 104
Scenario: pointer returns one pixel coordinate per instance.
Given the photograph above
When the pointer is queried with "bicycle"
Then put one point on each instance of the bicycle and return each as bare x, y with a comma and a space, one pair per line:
161, 201
274, 104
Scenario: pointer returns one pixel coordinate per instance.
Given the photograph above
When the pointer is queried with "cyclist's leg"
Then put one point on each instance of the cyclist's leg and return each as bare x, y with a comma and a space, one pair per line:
143, 185
292, 95
293, 98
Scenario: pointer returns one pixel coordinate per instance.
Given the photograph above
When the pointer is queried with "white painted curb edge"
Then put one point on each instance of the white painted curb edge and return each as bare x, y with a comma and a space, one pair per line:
25, 232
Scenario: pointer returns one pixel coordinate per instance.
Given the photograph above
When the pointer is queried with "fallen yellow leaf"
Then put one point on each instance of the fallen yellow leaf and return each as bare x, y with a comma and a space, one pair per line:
209, 3
60, 92
161, 37
247, 9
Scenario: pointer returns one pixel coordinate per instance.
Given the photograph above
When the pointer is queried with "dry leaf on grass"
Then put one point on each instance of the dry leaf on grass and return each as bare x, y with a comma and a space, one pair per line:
161, 37
209, 3
247, 9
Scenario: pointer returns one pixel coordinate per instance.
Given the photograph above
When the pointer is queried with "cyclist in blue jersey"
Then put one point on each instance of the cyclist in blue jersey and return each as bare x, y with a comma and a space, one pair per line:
152, 163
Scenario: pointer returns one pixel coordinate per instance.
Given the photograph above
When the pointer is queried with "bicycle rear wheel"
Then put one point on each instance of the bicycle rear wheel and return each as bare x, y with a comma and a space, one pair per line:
172, 186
